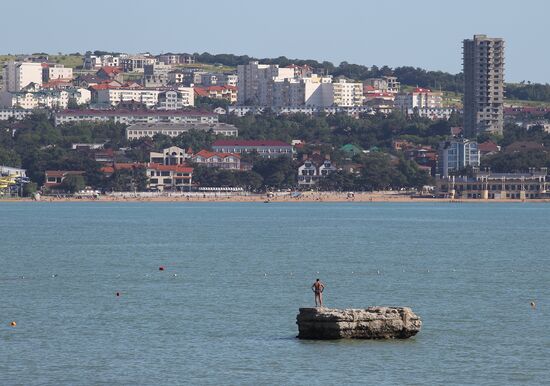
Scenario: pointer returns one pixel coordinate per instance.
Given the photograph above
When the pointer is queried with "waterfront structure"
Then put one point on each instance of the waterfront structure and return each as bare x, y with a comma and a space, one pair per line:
9, 171
265, 148
169, 177
456, 154
483, 85
130, 117
172, 155
489, 185
55, 178
312, 170
18, 75
219, 160
140, 130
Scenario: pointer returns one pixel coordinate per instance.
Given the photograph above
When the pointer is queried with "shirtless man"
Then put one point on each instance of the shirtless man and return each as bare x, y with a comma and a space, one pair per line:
318, 288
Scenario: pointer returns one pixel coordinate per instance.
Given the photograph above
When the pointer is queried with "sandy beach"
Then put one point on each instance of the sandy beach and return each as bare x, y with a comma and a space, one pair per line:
271, 198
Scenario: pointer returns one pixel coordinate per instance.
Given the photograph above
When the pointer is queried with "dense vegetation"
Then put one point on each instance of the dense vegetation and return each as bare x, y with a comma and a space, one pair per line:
37, 145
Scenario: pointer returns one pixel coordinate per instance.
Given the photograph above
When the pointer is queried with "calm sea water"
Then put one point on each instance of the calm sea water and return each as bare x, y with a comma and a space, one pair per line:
224, 309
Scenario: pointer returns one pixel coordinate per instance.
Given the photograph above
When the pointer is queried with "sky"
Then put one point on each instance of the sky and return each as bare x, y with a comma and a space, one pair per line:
420, 33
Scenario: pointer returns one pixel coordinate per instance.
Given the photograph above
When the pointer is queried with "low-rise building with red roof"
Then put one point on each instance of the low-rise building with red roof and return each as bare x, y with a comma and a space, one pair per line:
217, 160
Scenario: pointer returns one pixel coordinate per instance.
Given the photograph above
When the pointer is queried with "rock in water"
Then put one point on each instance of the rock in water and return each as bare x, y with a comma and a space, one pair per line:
369, 323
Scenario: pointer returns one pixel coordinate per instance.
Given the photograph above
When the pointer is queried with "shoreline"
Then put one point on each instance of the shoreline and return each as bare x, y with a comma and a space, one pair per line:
329, 197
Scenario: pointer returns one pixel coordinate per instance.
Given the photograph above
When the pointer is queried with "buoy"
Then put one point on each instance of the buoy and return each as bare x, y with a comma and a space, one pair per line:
161, 268
533, 305
118, 294
175, 275
13, 324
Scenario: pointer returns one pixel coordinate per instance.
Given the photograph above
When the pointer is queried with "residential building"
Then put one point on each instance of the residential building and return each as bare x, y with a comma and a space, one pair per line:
433, 113
456, 154
483, 85
93, 62
347, 93
209, 159
18, 75
170, 58
130, 117
383, 84
419, 98
255, 82
112, 96
172, 155
176, 99
136, 63
488, 148
488, 185
140, 130
218, 79
308, 91
14, 113
52, 99
313, 169
228, 93
169, 177
265, 148
54, 178
51, 71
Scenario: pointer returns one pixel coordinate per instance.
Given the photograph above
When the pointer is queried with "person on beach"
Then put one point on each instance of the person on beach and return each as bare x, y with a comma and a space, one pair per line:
318, 288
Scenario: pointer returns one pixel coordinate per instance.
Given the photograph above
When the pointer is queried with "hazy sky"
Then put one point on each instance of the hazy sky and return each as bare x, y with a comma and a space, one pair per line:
420, 33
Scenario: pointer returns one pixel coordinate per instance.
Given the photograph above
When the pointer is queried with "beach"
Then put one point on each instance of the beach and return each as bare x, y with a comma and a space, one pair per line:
311, 196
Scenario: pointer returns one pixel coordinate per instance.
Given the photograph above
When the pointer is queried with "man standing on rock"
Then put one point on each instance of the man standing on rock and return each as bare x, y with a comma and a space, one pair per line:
318, 288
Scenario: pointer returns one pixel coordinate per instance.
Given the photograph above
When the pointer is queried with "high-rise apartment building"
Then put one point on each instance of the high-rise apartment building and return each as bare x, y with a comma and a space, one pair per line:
18, 75
456, 154
483, 85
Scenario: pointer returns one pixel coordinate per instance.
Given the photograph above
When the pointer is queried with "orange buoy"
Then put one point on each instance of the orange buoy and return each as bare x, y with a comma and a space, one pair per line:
161, 268
13, 324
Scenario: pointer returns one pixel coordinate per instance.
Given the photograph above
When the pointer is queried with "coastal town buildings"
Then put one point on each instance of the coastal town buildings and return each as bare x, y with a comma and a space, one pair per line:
420, 99
140, 130
347, 93
172, 155
54, 178
228, 93
483, 85
255, 82
14, 114
313, 169
51, 71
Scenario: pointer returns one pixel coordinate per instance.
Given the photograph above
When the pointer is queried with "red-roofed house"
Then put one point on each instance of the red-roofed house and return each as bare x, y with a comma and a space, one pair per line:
265, 148
54, 178
488, 148
169, 177
217, 160
110, 73
218, 92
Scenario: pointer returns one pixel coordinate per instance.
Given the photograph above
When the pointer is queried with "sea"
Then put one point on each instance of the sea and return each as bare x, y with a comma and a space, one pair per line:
208, 293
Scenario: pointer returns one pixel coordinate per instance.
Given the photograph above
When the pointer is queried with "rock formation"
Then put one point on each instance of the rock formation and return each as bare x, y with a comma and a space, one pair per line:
369, 323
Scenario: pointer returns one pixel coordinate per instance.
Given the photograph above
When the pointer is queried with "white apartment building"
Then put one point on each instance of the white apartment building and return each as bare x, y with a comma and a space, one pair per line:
114, 96
130, 117
218, 79
52, 99
140, 130
419, 98
255, 82
15, 113
93, 62
347, 93
18, 75
57, 71
176, 99
309, 91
